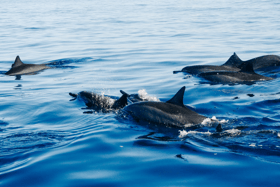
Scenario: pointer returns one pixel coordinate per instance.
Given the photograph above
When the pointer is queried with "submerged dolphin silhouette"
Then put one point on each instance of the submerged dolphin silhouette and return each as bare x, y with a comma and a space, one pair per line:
245, 75
99, 102
172, 112
232, 64
19, 68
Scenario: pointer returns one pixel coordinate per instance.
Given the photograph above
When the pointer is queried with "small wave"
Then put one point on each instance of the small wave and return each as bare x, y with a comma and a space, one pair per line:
231, 132
63, 63
252, 145
16, 149
29, 141
209, 122
3, 123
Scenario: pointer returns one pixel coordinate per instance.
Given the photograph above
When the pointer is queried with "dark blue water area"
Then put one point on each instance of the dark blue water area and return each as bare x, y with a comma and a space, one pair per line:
108, 46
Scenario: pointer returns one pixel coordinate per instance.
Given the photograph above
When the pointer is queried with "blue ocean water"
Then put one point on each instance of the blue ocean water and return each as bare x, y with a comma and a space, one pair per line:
107, 46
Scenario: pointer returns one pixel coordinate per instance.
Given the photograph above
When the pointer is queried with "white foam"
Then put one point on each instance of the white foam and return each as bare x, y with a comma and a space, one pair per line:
234, 132
184, 133
213, 120
144, 95
107, 99
188, 125
278, 134
252, 145
223, 121
206, 121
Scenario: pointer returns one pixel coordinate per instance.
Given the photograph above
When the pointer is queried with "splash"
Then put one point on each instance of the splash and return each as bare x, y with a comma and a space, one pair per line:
184, 133
102, 102
232, 132
206, 122
188, 125
106, 99
144, 95
97, 102
213, 120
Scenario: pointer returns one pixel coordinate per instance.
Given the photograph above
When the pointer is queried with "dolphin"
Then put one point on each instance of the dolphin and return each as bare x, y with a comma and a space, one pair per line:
99, 102
171, 113
232, 64
19, 68
259, 63
245, 75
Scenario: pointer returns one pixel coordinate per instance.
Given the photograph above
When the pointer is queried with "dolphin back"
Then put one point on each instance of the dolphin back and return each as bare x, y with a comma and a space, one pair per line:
20, 68
171, 113
167, 114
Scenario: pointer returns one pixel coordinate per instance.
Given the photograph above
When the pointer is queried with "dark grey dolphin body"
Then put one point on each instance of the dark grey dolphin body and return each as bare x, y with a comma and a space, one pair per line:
232, 64
172, 112
245, 75
259, 63
19, 68
99, 102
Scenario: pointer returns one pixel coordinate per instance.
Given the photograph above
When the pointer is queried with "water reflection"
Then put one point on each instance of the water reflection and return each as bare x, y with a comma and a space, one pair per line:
18, 87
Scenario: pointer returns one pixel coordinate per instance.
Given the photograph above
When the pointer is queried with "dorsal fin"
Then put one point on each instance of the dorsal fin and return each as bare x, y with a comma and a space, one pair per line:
17, 62
219, 128
233, 61
124, 93
178, 98
121, 102
247, 68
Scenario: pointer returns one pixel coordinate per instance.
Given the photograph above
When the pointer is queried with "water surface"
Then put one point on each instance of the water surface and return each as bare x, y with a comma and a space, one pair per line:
47, 140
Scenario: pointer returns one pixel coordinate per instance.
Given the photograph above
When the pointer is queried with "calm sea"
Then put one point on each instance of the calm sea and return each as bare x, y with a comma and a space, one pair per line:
107, 46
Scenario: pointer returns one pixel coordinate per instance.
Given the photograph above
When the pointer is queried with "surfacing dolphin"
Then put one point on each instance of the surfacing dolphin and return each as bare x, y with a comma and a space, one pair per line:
259, 63
104, 103
99, 102
171, 113
232, 64
245, 75
19, 68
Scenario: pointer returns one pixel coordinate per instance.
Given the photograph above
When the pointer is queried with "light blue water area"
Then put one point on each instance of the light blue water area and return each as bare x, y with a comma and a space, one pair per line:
107, 46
